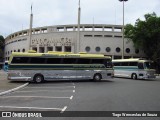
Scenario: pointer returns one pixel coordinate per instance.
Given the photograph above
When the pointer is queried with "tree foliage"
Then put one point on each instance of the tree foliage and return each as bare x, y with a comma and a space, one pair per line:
145, 35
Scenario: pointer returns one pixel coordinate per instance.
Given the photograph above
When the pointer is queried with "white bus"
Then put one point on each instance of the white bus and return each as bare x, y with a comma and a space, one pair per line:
134, 68
39, 67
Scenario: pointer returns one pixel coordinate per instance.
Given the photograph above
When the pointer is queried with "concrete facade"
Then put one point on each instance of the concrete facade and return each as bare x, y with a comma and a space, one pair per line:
97, 38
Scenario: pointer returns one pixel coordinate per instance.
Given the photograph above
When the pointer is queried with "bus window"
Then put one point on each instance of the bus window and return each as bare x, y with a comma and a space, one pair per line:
140, 66
83, 61
133, 64
69, 61
54, 60
20, 60
108, 63
97, 61
37, 60
149, 65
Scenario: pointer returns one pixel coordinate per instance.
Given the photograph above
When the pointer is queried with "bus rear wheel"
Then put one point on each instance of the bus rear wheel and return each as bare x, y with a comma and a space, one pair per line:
38, 78
134, 76
97, 77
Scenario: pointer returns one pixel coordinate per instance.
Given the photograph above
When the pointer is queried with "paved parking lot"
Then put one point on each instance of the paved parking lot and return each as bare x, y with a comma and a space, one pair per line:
117, 94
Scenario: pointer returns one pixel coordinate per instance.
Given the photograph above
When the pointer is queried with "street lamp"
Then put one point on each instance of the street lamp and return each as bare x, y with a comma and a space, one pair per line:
123, 29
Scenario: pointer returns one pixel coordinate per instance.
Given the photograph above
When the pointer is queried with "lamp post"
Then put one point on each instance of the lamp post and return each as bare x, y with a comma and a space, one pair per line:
123, 29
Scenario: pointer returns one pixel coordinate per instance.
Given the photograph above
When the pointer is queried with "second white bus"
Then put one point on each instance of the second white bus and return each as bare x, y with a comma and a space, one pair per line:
134, 68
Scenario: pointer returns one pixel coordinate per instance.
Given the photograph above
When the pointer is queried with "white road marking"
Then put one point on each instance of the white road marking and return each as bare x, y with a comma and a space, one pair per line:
63, 109
35, 108
74, 91
14, 89
53, 87
36, 97
71, 97
45, 91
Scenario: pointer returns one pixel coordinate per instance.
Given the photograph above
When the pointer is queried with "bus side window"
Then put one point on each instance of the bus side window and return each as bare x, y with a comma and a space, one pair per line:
69, 60
133, 64
116, 64
20, 60
54, 60
97, 61
36, 60
83, 61
140, 66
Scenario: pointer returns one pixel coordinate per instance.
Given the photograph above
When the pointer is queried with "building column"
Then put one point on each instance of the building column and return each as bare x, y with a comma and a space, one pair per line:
63, 48
45, 49
37, 48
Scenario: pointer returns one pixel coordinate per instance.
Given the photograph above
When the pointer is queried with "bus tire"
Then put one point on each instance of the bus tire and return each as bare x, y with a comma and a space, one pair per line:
134, 76
38, 78
97, 77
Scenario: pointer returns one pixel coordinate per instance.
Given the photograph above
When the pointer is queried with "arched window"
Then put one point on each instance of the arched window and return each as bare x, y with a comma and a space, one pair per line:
23, 50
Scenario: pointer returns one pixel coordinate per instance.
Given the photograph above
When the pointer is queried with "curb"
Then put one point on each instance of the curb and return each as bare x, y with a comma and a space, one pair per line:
14, 89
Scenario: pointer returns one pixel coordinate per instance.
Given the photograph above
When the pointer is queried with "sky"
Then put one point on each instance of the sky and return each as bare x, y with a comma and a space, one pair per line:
15, 14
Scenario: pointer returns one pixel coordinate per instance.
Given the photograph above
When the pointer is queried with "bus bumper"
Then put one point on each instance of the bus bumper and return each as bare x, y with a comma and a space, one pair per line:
19, 78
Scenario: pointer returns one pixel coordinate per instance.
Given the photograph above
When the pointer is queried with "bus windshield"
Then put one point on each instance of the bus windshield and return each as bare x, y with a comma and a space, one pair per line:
149, 65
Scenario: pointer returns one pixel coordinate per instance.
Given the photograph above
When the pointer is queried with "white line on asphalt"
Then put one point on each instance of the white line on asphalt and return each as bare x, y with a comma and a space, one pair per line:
74, 91
45, 91
35, 108
14, 89
53, 87
63, 109
36, 97
71, 97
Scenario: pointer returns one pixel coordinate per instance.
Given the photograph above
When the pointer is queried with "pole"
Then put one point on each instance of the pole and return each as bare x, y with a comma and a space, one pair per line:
123, 34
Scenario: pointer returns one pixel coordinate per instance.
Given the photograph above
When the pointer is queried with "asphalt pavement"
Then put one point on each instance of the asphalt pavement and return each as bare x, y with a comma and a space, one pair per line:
7, 86
118, 94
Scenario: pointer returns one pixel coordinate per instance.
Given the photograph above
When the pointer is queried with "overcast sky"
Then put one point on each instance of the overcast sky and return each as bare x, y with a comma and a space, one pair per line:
15, 14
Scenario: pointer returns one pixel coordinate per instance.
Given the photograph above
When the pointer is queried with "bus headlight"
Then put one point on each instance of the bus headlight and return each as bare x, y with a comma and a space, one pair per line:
148, 74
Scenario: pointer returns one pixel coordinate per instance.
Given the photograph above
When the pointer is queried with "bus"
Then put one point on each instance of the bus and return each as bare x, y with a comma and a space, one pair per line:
134, 68
39, 67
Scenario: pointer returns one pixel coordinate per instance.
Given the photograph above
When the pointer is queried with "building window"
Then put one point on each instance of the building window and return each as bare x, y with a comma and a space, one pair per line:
87, 49
98, 49
87, 35
34, 48
41, 49
18, 50
59, 48
23, 50
127, 50
67, 48
108, 49
118, 49
137, 51
49, 48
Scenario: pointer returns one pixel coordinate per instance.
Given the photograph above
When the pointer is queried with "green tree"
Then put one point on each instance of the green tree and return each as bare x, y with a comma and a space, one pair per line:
1, 47
145, 35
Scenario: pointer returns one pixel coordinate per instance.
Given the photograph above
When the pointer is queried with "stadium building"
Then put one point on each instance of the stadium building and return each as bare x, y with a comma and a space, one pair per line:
91, 38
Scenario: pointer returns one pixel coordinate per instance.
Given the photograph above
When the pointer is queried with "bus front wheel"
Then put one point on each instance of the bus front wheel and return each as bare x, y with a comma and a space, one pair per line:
97, 77
38, 78
134, 76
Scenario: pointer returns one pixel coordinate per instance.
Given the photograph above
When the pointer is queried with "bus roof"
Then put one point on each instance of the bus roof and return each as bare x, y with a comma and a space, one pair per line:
57, 54
130, 60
